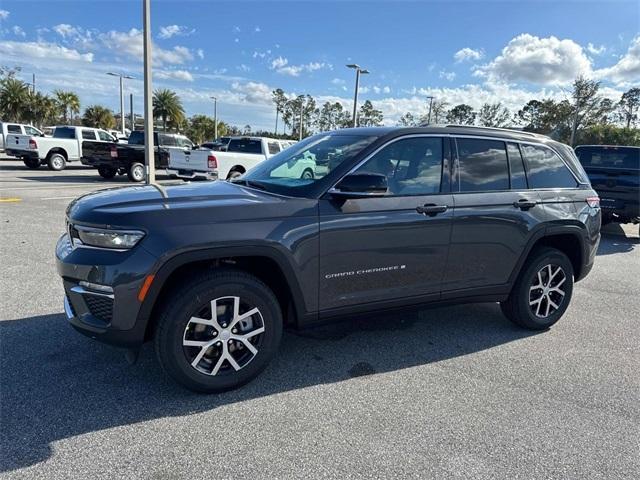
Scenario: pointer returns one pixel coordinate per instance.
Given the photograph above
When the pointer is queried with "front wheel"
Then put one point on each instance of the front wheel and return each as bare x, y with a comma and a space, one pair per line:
107, 172
542, 292
307, 174
136, 172
218, 331
33, 163
57, 162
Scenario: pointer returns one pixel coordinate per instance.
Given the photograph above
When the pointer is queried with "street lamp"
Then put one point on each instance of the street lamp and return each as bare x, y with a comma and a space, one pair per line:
430, 107
359, 71
149, 156
215, 118
121, 97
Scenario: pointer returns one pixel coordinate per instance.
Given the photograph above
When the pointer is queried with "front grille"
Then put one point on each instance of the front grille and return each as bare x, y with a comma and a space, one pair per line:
100, 307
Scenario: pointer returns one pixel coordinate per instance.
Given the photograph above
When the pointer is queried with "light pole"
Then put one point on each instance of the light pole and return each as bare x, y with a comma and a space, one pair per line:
430, 107
359, 71
121, 97
215, 118
149, 157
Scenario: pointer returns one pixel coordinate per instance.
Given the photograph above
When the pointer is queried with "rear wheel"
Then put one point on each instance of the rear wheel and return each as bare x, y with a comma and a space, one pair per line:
107, 172
136, 172
542, 292
32, 163
307, 174
56, 162
234, 174
219, 331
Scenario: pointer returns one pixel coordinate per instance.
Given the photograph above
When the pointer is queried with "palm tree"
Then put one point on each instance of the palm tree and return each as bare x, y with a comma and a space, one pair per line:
40, 109
69, 103
13, 98
167, 105
98, 116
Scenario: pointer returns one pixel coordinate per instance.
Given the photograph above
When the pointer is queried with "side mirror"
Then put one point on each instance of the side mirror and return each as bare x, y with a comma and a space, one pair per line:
195, 147
361, 185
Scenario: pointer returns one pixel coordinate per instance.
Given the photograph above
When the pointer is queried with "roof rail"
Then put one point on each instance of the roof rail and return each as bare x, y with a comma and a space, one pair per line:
499, 129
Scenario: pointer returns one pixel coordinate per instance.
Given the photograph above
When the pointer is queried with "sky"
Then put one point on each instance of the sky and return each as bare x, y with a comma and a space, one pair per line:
459, 52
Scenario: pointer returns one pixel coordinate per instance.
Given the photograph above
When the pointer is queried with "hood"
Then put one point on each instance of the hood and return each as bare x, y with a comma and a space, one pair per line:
197, 202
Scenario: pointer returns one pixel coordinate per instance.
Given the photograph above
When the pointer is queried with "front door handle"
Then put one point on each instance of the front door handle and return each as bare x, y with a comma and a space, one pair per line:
431, 209
525, 204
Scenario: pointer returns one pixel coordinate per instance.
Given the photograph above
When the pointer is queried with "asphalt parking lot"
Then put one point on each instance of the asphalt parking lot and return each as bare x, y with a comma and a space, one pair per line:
456, 392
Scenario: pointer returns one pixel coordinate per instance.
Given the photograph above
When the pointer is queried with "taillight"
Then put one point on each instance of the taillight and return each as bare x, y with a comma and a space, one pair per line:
212, 161
593, 202
114, 152
32, 144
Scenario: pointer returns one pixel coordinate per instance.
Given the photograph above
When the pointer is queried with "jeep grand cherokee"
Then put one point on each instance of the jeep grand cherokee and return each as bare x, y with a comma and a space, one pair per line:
389, 218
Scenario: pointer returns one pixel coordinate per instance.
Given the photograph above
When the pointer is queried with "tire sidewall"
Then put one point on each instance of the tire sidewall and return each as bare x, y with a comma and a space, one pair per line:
307, 174
553, 257
134, 167
190, 301
61, 165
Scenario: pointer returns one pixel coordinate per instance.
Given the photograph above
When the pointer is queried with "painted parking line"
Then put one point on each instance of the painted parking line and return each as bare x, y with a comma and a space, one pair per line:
10, 200
58, 198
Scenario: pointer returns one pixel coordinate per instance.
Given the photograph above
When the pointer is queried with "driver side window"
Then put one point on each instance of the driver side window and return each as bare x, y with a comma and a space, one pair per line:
413, 166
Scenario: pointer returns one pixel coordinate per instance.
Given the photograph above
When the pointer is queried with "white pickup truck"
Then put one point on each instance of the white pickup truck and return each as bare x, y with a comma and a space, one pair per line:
7, 128
65, 146
241, 154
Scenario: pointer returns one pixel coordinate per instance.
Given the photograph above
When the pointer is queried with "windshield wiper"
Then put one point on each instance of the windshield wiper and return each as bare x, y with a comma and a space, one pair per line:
250, 183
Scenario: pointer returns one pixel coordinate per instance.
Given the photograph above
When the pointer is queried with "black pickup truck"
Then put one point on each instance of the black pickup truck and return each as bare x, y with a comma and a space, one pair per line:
112, 158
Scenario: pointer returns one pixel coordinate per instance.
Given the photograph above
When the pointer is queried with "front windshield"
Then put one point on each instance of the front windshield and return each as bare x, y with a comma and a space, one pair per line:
299, 167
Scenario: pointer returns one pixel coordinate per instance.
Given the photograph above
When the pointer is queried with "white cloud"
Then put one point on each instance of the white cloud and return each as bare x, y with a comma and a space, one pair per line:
169, 31
236, 29
65, 30
131, 44
296, 70
279, 63
449, 76
43, 50
338, 81
4, 14
257, 29
174, 75
595, 50
543, 61
18, 31
253, 92
468, 54
386, 89
244, 68
628, 67
200, 53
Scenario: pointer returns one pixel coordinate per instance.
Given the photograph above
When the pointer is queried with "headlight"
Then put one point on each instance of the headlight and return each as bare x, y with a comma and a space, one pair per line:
103, 238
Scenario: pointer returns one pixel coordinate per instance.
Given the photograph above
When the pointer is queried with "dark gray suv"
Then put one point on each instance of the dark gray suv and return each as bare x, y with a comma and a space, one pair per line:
341, 223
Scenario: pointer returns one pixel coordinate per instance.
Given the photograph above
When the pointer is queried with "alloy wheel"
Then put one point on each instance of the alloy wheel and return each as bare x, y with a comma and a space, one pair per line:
224, 336
546, 292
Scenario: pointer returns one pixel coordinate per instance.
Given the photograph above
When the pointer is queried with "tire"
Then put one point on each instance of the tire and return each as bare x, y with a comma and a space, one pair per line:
56, 162
107, 172
33, 163
233, 174
533, 308
307, 174
213, 372
136, 172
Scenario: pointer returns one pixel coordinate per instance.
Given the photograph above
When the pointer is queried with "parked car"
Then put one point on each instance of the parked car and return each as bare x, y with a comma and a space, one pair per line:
614, 172
65, 146
211, 272
241, 154
7, 129
116, 158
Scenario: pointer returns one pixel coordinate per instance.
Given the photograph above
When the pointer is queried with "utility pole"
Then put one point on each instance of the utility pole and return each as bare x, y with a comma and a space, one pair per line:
132, 118
33, 83
301, 124
276, 130
355, 94
430, 107
149, 156
215, 118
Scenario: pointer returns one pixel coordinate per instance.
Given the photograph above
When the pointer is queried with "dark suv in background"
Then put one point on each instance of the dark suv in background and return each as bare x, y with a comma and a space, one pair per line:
391, 218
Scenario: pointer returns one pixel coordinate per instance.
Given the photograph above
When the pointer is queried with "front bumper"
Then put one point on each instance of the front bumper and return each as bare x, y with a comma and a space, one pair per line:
110, 317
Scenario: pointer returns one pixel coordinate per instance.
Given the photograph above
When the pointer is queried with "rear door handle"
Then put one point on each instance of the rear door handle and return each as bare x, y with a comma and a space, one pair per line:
431, 209
525, 204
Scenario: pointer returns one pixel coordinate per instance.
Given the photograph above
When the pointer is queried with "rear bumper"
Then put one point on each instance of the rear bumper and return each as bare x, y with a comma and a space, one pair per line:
31, 154
192, 174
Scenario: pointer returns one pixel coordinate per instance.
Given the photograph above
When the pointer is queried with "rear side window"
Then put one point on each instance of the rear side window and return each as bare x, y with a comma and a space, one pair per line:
482, 165
545, 169
609, 157
518, 178
13, 129
274, 148
88, 135
245, 145
64, 132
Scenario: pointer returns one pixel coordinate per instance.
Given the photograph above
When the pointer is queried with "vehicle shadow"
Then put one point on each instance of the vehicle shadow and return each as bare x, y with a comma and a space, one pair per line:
57, 384
614, 240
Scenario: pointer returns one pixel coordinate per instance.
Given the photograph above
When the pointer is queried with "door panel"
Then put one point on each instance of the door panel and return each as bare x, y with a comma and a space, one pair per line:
376, 249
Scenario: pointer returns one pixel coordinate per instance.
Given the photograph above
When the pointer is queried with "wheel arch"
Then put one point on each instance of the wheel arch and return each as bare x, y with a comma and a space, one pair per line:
265, 263
59, 150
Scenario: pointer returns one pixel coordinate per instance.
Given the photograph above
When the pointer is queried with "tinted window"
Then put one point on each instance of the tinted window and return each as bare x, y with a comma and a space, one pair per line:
482, 165
545, 169
13, 129
273, 148
136, 138
64, 132
518, 178
609, 157
413, 166
88, 135
245, 145
167, 140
